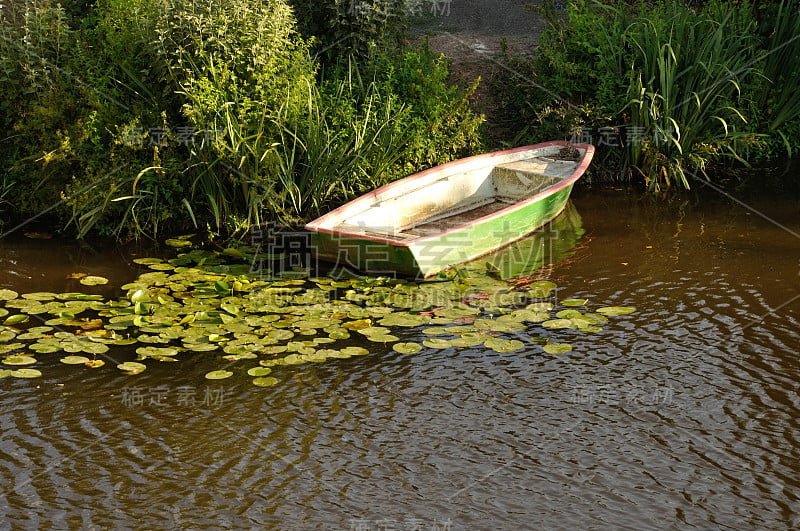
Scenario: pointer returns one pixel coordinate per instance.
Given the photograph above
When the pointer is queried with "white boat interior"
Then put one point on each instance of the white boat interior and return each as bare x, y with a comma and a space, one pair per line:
455, 195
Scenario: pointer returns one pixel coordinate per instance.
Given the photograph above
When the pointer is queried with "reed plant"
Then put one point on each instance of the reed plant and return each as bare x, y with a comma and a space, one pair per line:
780, 64
685, 84
322, 163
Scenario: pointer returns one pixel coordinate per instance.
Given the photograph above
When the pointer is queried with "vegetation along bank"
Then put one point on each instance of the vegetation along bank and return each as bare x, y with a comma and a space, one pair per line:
134, 118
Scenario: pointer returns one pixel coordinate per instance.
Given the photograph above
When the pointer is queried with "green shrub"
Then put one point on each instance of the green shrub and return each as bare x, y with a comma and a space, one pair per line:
152, 116
688, 86
369, 123
342, 27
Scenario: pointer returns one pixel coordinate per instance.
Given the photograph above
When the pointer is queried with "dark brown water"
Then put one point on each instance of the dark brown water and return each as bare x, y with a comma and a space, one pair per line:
683, 415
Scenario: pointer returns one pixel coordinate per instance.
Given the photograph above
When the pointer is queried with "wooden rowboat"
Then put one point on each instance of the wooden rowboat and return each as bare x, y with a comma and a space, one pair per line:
451, 213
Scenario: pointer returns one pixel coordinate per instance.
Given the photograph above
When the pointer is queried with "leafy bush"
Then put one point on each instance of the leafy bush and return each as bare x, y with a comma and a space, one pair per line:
688, 85
342, 27
131, 117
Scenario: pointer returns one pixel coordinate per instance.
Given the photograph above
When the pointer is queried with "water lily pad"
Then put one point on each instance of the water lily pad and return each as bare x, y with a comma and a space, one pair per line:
557, 323
178, 243
407, 348
541, 289
10, 347
39, 296
7, 294
294, 359
595, 318
438, 331
93, 364
162, 267
19, 360
265, 381
5, 373
382, 338
495, 325
569, 314
240, 356
533, 316
355, 351
93, 280
540, 306
44, 348
132, 367
200, 347
75, 360
503, 345
469, 339
148, 261
615, 310
574, 302
557, 348
259, 371
26, 373
280, 335
357, 325
218, 375
157, 351
16, 319
437, 343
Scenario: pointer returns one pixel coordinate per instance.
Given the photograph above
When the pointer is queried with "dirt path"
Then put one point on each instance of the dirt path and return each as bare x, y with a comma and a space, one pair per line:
473, 34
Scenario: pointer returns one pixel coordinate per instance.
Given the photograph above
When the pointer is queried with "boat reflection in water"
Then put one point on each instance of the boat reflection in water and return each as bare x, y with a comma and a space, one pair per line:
552, 243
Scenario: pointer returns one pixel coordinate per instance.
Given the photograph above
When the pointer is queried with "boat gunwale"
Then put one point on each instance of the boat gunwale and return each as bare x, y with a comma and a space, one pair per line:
580, 169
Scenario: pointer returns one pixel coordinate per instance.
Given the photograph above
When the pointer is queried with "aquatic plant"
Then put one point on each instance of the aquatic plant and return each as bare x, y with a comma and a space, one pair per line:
670, 89
253, 323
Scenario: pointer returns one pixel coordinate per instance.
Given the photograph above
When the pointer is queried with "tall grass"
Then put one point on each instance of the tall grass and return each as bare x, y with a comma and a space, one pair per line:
691, 85
685, 83
781, 66
313, 161
321, 164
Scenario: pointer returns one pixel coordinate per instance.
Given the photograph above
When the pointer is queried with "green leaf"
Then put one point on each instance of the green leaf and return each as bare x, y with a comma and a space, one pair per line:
437, 343
7, 294
222, 287
178, 243
569, 314
75, 360
218, 375
407, 348
93, 280
557, 348
503, 345
140, 296
16, 319
132, 367
615, 310
26, 373
355, 351
557, 323
39, 296
19, 360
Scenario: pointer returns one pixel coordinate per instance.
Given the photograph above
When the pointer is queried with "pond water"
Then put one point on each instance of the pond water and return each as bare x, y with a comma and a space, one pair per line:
682, 415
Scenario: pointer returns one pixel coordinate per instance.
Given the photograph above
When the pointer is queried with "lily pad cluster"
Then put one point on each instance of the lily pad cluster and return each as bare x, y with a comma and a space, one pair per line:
207, 301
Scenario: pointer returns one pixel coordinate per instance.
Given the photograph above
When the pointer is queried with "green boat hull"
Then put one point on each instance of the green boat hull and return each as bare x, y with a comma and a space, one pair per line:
428, 256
